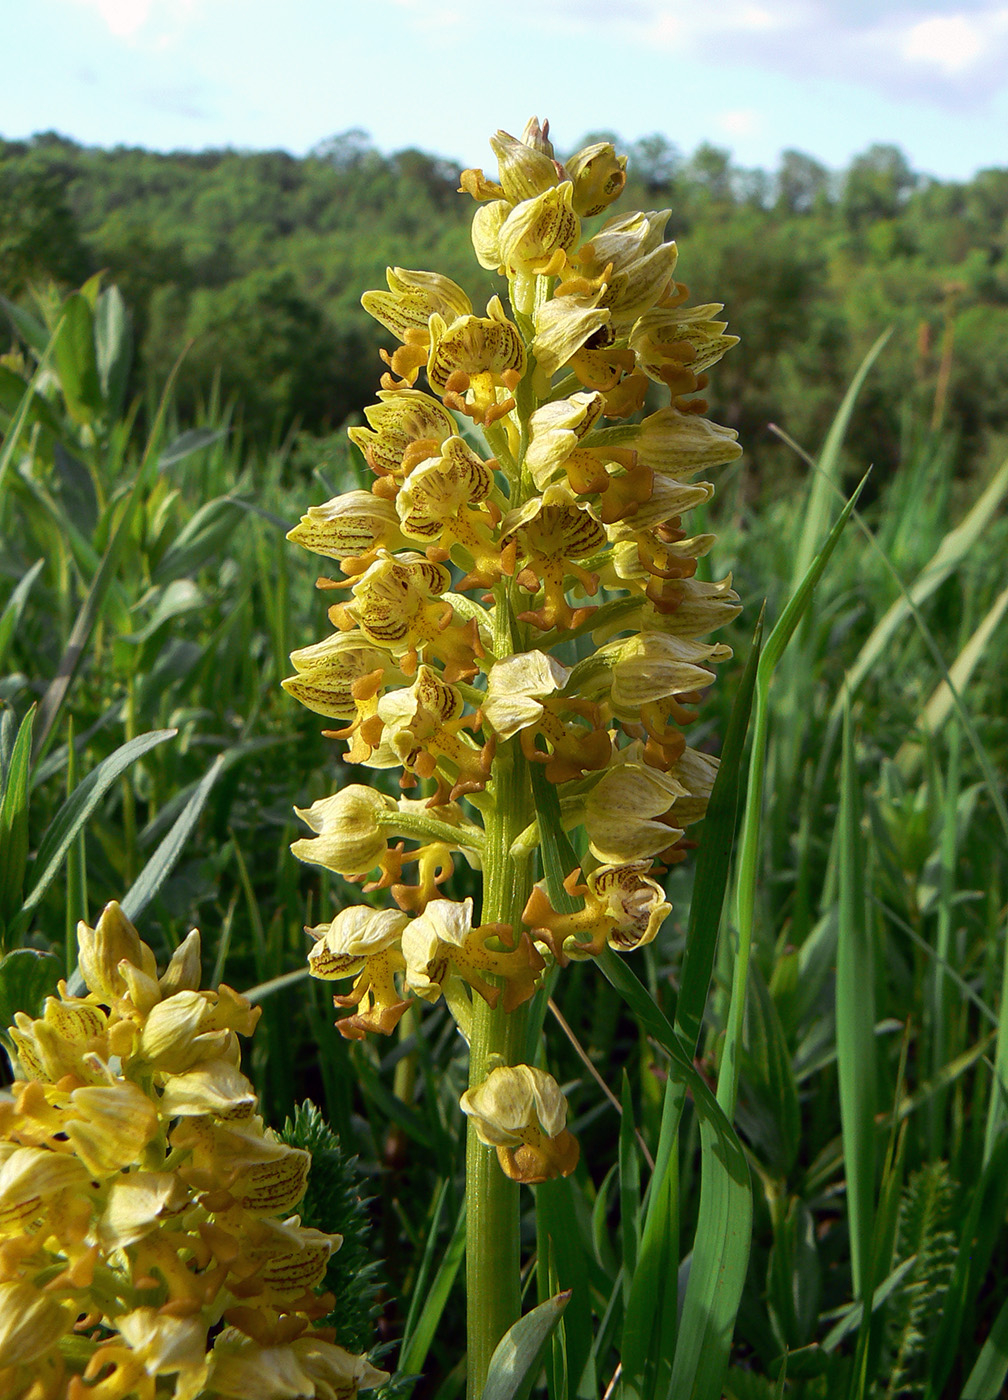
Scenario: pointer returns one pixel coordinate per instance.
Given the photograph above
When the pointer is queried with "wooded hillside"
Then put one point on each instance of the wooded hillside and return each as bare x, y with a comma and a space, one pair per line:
259, 259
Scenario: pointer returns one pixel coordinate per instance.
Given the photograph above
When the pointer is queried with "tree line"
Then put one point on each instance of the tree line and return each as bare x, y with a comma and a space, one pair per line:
256, 261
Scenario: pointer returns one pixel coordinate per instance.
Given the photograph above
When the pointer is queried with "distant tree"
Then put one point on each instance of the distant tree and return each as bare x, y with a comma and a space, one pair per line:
39, 238
346, 151
655, 161
801, 181
876, 186
710, 167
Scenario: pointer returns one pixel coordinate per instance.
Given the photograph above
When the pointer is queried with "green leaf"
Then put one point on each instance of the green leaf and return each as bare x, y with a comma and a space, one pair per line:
717, 844
954, 548
162, 862
432, 1294
102, 582
724, 1222
14, 823
31, 330
939, 707
987, 1377
14, 607
75, 359
113, 348
557, 1223
177, 598
824, 482
27, 402
518, 1358
629, 1189
203, 539
558, 855
78, 807
27, 977
855, 1025
193, 440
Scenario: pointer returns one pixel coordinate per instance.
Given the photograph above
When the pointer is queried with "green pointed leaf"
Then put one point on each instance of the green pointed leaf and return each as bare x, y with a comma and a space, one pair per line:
75, 359
27, 977
14, 607
519, 1356
78, 807
193, 440
162, 862
14, 822
113, 348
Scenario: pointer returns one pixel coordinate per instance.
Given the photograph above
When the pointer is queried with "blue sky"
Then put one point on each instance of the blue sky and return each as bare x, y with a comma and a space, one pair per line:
756, 76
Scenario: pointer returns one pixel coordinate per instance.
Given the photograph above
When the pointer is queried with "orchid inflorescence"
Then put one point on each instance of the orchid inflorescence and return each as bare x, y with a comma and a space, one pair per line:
519, 593
147, 1244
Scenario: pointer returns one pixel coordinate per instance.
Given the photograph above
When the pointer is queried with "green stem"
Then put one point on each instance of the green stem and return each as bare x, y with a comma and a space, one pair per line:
492, 1204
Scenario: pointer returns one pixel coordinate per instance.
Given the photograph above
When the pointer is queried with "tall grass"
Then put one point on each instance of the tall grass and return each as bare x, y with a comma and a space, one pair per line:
796, 1184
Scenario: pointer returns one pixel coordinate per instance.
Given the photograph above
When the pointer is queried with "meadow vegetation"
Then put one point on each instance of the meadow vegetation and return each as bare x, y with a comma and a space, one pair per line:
149, 602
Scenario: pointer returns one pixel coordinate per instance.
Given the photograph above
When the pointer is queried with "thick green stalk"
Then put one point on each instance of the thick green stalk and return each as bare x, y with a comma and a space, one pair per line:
492, 1253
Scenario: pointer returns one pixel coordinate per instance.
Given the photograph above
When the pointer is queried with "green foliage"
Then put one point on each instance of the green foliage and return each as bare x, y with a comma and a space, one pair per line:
258, 259
148, 603
924, 1237
334, 1201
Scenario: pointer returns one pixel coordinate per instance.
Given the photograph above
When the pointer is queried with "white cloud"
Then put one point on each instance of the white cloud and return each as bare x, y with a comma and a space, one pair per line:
953, 43
740, 121
122, 17
950, 53
156, 21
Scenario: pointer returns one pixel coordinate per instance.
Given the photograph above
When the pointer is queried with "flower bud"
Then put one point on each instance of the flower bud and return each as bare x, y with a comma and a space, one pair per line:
521, 1111
524, 171
349, 839
599, 176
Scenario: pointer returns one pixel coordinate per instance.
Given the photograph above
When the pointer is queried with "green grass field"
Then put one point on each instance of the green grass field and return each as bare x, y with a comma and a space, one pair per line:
842, 1084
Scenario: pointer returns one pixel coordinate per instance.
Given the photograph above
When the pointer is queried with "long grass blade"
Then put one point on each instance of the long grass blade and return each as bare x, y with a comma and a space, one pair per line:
162, 862
855, 1026
942, 703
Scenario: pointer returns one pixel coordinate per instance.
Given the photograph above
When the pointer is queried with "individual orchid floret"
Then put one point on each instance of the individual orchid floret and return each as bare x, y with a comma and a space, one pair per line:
623, 813
351, 528
342, 678
599, 176
517, 688
653, 676
349, 837
443, 502
476, 362
552, 532
406, 308
412, 298
363, 943
406, 426
534, 240
564, 326
681, 444
555, 431
526, 168
520, 1111
629, 256
423, 733
443, 943
397, 604
622, 907
523, 697
675, 344
700, 607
